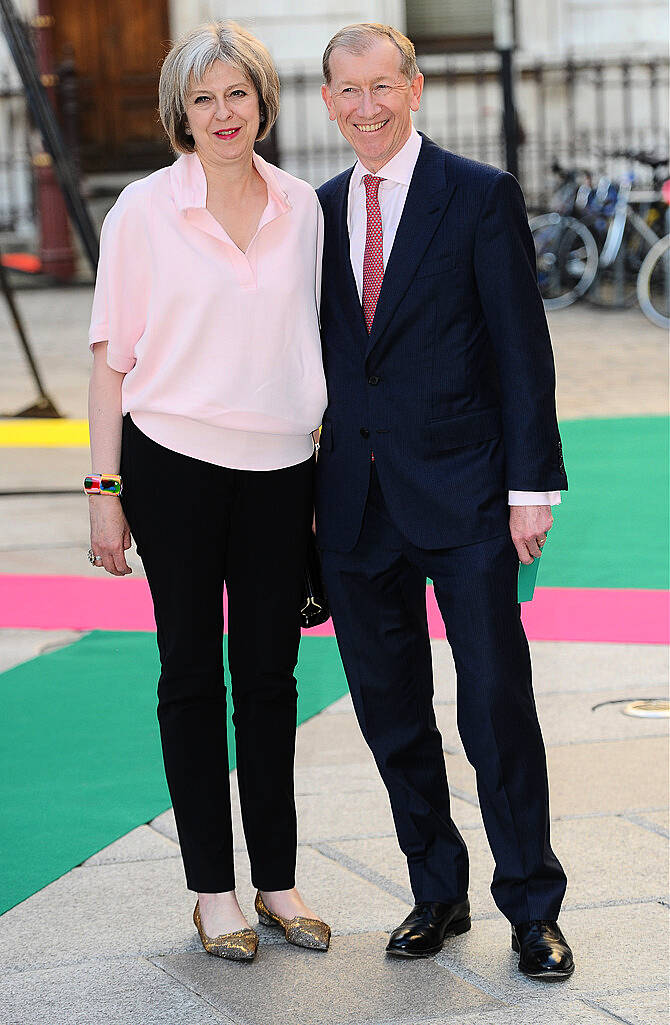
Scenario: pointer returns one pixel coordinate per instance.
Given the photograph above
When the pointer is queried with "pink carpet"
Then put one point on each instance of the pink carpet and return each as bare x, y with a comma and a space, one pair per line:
555, 614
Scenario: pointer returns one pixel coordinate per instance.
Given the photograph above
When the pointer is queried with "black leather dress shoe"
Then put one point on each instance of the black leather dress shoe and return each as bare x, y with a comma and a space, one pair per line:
544, 951
426, 928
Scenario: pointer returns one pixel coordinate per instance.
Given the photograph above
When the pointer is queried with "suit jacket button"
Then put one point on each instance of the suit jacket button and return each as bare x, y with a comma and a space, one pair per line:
365, 432
373, 380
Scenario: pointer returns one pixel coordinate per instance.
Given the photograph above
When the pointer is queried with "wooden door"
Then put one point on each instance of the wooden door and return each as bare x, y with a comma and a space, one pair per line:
117, 47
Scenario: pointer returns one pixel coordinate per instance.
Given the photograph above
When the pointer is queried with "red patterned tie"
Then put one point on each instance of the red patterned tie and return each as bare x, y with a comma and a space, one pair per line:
373, 260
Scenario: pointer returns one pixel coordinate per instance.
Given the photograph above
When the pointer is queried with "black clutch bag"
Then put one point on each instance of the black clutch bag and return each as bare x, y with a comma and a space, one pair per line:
314, 609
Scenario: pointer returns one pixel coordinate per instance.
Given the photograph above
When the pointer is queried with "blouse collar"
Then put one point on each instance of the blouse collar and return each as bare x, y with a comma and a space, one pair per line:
189, 184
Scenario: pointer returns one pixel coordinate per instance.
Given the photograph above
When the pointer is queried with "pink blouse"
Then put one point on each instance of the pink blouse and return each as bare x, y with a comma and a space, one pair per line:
220, 348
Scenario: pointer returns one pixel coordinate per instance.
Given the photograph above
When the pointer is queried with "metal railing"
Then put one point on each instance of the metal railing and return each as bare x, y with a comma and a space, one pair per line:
17, 198
576, 111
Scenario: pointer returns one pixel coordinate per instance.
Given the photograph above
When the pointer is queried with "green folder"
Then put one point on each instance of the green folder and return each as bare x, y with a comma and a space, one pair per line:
527, 578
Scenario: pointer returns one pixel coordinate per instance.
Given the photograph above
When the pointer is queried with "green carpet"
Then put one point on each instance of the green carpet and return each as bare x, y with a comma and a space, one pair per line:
612, 528
80, 762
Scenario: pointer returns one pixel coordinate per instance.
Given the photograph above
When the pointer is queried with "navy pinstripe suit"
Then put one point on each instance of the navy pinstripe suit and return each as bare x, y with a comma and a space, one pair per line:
453, 391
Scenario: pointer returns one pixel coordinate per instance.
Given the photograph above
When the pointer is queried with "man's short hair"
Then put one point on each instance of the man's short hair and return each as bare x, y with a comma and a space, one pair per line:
359, 38
190, 59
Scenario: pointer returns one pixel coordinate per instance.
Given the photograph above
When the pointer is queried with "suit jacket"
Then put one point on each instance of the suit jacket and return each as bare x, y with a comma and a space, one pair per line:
453, 389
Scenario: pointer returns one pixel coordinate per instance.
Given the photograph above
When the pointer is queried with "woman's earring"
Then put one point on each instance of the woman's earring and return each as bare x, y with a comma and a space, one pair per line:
187, 129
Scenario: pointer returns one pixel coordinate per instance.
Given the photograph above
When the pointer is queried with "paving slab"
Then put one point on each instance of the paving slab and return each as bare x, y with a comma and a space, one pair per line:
608, 776
110, 911
351, 984
19, 645
361, 814
532, 1012
610, 859
141, 844
368, 812
657, 820
56, 322
343, 704
600, 362
327, 779
104, 908
581, 666
571, 719
640, 1008
574, 718
102, 993
61, 519
45, 468
165, 824
332, 740
616, 948
332, 813
349, 903
384, 856
605, 859
58, 560
574, 667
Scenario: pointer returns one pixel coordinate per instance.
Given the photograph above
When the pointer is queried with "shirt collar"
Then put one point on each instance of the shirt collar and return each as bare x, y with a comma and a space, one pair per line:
399, 168
189, 184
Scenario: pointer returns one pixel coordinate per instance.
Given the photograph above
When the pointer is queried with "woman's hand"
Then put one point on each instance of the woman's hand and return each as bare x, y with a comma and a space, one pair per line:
110, 533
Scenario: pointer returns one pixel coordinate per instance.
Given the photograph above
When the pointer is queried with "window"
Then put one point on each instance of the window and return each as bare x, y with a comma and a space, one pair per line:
450, 25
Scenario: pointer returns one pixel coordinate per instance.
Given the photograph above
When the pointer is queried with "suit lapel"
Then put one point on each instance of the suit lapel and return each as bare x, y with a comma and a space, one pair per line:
348, 294
428, 196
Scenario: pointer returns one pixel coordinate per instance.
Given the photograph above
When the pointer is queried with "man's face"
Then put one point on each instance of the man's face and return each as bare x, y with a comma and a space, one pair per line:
372, 101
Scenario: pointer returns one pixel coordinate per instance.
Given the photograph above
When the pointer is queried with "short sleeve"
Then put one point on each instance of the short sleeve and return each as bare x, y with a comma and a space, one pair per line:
121, 294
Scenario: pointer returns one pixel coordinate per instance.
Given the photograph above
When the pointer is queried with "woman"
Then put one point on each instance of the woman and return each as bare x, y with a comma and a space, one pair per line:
206, 387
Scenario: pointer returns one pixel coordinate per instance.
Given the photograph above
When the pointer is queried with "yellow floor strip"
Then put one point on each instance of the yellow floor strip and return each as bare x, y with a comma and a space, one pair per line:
19, 433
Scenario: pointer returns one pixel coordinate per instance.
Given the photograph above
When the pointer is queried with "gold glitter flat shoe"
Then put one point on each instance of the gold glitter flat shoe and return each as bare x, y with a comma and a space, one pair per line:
302, 932
235, 946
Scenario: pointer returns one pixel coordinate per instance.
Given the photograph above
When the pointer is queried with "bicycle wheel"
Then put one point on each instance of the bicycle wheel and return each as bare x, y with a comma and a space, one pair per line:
567, 258
615, 286
653, 284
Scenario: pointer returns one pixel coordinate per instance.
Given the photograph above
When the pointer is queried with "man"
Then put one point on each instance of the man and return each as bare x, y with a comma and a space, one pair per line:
441, 412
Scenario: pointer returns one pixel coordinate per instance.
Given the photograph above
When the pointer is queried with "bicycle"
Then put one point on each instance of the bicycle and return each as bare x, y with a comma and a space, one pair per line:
653, 284
653, 280
624, 236
566, 252
594, 242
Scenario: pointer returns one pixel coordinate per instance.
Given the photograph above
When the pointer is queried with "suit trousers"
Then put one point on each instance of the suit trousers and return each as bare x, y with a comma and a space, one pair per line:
196, 526
377, 598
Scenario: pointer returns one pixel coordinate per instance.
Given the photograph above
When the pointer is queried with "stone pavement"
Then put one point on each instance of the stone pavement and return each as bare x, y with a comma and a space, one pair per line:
111, 942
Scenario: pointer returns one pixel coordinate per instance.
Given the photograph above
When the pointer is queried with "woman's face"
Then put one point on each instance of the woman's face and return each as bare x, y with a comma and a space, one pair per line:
223, 114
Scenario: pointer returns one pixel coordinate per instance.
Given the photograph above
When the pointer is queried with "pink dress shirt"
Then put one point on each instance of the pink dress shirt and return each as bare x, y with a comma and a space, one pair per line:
220, 348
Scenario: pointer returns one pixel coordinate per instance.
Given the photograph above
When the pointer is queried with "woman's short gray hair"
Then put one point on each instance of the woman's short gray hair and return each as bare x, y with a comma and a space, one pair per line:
189, 60
359, 38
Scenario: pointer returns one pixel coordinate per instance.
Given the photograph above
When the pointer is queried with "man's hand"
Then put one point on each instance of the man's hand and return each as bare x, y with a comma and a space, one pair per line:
529, 525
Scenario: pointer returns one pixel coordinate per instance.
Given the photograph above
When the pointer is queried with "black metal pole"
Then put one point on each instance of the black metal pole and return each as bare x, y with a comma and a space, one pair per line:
44, 406
42, 111
504, 40
510, 126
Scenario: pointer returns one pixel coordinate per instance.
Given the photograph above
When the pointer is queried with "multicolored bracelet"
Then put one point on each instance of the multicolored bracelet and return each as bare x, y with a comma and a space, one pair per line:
103, 484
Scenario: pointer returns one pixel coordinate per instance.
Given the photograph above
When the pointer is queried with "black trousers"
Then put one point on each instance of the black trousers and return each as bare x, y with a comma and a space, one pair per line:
377, 598
197, 525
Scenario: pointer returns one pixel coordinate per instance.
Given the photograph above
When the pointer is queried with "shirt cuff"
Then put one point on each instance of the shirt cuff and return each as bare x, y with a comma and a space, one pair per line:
535, 498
